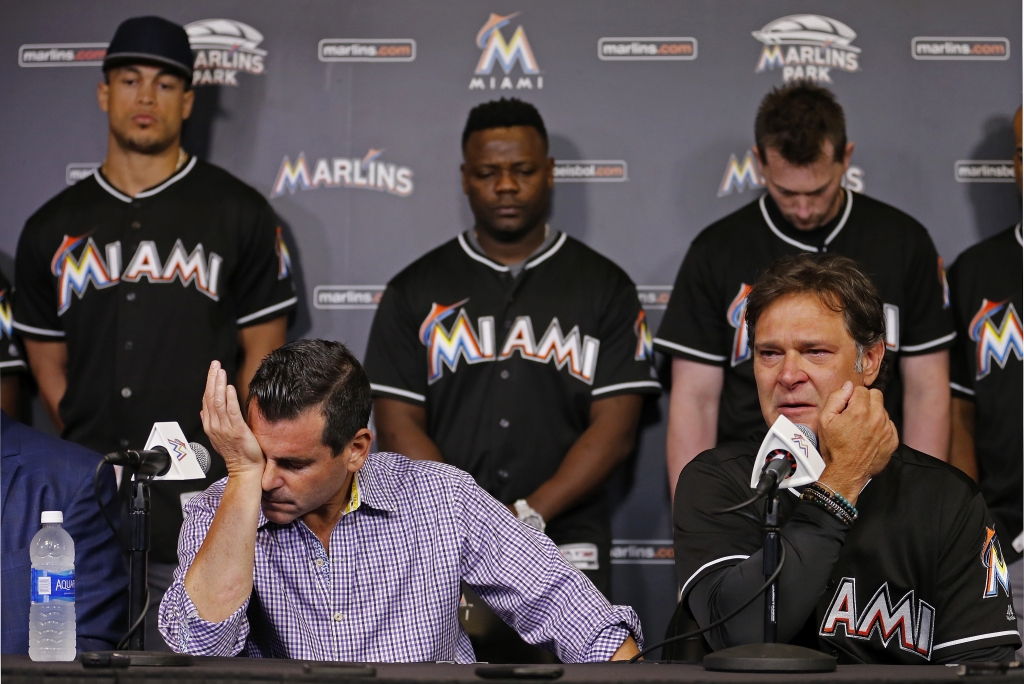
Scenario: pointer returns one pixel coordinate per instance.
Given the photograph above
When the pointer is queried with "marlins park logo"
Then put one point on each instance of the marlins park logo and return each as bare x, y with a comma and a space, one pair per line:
367, 173
743, 175
807, 47
512, 55
223, 48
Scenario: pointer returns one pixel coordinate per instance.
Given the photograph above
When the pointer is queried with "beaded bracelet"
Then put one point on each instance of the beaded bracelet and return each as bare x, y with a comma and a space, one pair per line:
833, 502
839, 498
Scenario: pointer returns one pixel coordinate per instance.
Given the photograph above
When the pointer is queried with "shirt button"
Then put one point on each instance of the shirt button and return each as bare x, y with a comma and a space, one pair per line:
502, 474
126, 392
319, 562
504, 375
136, 224
508, 324
130, 296
338, 617
503, 423
128, 345
136, 204
124, 443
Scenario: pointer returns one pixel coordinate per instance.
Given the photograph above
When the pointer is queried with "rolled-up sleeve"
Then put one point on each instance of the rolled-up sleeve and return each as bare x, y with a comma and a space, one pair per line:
179, 621
522, 576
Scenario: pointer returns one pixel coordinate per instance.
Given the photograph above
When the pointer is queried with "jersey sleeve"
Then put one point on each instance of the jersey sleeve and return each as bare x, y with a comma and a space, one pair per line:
396, 361
705, 541
961, 371
12, 355
975, 610
624, 363
262, 282
34, 306
927, 325
694, 326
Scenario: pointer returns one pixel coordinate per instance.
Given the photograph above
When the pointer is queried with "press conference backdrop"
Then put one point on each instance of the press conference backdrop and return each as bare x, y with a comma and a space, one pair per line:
347, 117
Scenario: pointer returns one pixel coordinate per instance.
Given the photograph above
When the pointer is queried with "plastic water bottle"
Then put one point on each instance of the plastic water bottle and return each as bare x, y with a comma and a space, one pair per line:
51, 622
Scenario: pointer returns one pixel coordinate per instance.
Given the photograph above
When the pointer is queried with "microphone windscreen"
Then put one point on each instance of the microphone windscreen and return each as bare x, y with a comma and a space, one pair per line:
203, 456
808, 432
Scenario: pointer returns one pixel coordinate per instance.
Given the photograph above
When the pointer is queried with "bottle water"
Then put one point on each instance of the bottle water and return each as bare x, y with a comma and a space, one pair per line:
51, 622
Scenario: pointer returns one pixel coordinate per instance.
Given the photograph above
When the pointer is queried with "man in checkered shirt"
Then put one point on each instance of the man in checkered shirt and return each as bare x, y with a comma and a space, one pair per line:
314, 548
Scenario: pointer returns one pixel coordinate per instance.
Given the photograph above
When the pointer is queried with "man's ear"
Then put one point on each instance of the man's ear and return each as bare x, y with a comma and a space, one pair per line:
872, 362
188, 99
847, 156
465, 182
103, 96
357, 450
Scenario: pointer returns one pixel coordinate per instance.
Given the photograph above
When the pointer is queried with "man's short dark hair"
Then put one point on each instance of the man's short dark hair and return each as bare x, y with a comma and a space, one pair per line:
839, 284
796, 120
503, 113
310, 374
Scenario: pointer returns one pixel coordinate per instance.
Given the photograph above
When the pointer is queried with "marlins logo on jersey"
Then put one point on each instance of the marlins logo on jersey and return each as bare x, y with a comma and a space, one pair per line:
103, 269
995, 343
284, 257
913, 632
644, 345
6, 319
737, 317
577, 353
996, 574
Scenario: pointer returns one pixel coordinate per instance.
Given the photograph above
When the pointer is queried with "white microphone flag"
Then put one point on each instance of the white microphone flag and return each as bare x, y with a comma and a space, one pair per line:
786, 436
184, 465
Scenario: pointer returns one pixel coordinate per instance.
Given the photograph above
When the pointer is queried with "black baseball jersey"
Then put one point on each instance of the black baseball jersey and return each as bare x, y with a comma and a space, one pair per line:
920, 576
146, 292
705, 320
507, 367
985, 288
12, 356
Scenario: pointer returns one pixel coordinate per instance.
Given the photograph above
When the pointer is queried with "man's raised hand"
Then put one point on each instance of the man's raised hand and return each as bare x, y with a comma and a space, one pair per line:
857, 439
226, 427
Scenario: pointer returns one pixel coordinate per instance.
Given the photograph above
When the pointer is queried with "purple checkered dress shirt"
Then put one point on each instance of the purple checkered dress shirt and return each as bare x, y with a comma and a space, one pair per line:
388, 591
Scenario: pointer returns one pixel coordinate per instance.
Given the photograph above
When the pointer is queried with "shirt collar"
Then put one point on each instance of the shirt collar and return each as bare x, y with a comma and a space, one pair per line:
370, 486
175, 177
787, 233
551, 245
10, 443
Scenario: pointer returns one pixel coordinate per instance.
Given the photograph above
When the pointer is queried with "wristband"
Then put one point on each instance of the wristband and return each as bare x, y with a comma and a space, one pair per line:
529, 516
834, 503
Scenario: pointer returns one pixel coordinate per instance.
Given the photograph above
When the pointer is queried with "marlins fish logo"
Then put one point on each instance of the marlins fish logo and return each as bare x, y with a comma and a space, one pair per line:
284, 257
644, 345
737, 317
995, 344
74, 275
996, 574
497, 51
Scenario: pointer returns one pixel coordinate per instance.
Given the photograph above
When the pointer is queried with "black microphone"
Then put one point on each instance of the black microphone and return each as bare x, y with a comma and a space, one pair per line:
780, 464
154, 462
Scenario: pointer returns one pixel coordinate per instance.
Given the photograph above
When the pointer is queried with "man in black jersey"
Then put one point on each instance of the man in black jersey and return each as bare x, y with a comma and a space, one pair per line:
132, 281
986, 377
803, 155
13, 367
891, 556
514, 351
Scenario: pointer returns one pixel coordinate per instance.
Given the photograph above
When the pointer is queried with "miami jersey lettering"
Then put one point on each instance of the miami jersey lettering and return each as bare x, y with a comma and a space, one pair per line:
913, 632
995, 343
575, 352
104, 269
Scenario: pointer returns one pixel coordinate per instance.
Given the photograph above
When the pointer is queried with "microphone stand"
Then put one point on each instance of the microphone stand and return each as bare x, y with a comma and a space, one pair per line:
138, 561
770, 656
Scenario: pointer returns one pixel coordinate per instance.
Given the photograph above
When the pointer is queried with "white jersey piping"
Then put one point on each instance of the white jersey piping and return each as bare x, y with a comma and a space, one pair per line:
965, 640
262, 312
399, 392
796, 243
145, 193
928, 345
688, 350
626, 385
38, 331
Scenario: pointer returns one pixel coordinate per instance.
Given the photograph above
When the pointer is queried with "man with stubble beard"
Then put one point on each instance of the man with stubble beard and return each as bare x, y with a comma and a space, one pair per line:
515, 352
129, 283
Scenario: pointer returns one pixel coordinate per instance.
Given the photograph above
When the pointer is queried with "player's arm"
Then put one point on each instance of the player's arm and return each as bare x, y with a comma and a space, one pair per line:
256, 342
219, 580
961, 436
402, 429
692, 414
49, 364
603, 445
10, 397
926, 398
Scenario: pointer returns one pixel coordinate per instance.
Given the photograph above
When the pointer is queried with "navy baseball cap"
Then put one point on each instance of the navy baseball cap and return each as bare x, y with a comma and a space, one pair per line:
151, 40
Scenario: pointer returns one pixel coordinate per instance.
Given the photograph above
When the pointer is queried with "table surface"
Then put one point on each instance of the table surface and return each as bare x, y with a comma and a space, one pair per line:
18, 669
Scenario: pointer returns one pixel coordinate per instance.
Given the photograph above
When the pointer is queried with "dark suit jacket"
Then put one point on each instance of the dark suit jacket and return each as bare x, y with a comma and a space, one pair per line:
41, 473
